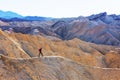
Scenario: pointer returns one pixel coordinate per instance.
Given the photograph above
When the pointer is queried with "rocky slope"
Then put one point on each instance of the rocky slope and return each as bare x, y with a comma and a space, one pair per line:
100, 28
82, 60
66, 54
52, 68
25, 46
10, 46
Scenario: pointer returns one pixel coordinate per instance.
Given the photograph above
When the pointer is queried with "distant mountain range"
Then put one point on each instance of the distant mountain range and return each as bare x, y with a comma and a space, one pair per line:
9, 15
98, 28
12, 16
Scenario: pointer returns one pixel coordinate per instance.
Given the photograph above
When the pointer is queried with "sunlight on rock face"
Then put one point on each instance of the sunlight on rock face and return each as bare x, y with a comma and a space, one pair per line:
63, 60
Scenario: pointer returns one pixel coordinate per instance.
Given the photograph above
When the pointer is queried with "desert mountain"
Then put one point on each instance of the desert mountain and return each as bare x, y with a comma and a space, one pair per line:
82, 48
100, 28
79, 60
26, 46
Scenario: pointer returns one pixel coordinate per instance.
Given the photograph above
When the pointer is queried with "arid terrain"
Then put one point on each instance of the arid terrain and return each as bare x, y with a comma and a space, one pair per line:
79, 60
83, 48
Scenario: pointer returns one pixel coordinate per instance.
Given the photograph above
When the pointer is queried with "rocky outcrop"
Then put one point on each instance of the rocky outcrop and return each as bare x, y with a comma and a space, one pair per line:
97, 16
61, 29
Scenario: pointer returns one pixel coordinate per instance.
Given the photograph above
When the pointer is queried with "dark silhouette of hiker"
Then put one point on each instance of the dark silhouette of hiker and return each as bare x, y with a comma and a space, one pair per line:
40, 52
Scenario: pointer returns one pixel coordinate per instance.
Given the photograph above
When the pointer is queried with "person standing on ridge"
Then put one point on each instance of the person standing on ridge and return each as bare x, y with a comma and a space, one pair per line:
40, 52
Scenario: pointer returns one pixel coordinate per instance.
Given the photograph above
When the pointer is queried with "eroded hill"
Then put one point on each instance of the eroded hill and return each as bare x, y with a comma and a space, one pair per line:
52, 68
19, 45
10, 46
63, 60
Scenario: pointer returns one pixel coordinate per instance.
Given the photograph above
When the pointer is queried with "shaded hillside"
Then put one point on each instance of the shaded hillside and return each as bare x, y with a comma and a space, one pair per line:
52, 68
100, 28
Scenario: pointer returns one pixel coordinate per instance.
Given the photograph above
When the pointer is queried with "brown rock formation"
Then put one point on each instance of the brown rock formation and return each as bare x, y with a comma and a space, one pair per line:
10, 47
86, 61
75, 49
24, 46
